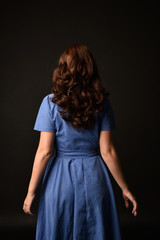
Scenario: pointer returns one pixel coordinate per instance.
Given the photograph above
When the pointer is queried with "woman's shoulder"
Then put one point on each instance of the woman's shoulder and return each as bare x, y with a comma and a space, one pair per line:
47, 99
107, 107
106, 104
106, 100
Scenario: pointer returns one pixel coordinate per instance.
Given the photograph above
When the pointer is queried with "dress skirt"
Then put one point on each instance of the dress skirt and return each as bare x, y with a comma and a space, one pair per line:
77, 200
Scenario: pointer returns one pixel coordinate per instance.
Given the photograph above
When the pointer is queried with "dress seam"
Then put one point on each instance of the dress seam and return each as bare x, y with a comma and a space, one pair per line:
85, 199
71, 160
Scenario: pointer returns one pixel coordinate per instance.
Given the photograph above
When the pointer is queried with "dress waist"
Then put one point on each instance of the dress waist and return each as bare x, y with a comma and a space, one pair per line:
72, 153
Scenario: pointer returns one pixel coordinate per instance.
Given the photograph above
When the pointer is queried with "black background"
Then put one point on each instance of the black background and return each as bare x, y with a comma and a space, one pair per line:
123, 37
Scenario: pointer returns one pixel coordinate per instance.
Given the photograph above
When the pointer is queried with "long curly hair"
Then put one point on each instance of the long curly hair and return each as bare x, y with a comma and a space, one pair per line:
77, 87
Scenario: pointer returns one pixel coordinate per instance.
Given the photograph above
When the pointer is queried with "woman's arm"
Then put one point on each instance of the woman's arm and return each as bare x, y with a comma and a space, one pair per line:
42, 156
110, 157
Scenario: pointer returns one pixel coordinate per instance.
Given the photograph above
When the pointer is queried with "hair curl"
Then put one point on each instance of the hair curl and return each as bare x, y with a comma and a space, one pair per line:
77, 87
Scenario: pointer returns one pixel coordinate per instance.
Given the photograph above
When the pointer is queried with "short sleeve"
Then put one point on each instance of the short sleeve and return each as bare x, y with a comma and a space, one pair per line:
44, 120
108, 118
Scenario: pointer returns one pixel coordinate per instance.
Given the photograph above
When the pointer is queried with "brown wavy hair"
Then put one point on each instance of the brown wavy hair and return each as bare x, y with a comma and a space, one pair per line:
77, 87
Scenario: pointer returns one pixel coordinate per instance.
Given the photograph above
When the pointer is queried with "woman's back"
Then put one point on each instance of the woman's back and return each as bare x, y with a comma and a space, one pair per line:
67, 138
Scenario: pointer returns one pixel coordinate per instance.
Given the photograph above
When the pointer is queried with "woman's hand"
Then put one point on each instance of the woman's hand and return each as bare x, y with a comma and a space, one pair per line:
128, 196
28, 203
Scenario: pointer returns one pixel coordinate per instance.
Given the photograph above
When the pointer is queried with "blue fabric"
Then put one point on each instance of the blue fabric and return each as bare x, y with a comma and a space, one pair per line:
77, 200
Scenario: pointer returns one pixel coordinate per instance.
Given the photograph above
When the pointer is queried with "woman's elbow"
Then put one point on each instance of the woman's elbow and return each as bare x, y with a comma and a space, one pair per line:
45, 154
107, 152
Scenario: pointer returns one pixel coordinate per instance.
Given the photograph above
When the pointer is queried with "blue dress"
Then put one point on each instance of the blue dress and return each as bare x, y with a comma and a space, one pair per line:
77, 200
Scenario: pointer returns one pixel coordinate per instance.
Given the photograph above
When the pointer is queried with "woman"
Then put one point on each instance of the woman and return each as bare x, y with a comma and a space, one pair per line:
75, 151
